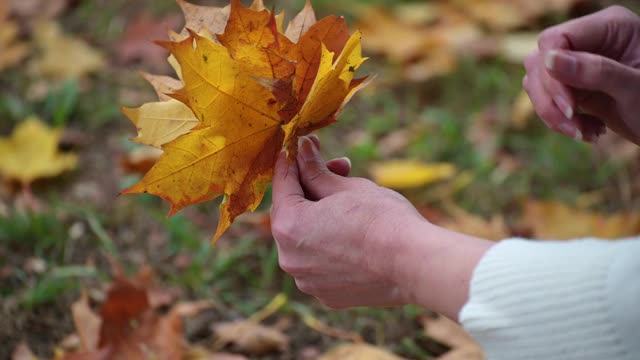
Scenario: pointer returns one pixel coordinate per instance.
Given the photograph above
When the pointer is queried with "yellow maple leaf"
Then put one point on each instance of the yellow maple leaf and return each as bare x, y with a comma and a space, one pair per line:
551, 220
62, 56
32, 153
406, 174
358, 352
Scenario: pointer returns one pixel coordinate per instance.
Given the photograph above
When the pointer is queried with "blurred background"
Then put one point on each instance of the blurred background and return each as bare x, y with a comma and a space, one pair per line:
446, 123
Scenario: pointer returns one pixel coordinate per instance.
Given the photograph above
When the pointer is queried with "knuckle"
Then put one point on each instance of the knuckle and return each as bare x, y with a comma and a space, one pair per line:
305, 286
316, 172
525, 83
333, 305
286, 265
283, 228
547, 114
531, 60
617, 11
547, 37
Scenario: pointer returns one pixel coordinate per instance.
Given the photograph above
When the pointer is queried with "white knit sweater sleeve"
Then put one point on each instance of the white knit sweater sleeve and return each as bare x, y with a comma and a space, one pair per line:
565, 300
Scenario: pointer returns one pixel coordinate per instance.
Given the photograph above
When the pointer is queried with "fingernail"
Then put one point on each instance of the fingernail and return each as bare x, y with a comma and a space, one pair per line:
579, 136
561, 62
569, 129
306, 148
347, 160
564, 106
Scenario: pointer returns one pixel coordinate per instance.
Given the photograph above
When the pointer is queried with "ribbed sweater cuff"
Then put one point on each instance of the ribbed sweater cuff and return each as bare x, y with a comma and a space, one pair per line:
544, 300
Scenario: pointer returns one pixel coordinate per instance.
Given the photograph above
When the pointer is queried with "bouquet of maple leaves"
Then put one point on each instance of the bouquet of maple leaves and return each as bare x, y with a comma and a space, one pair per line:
245, 90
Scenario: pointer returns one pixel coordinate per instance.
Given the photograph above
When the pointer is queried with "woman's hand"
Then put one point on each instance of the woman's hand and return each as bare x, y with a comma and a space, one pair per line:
350, 242
335, 234
586, 75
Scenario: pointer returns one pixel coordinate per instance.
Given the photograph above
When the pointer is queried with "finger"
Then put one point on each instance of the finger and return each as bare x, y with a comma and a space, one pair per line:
315, 139
592, 33
340, 166
560, 94
317, 181
592, 72
286, 183
591, 127
545, 107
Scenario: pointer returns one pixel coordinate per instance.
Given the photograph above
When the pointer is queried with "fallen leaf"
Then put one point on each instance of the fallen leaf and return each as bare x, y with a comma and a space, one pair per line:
140, 160
163, 85
251, 337
200, 353
37, 8
128, 325
464, 222
32, 153
521, 111
504, 15
551, 220
406, 174
515, 47
248, 92
12, 51
136, 43
463, 347
358, 352
62, 57
86, 322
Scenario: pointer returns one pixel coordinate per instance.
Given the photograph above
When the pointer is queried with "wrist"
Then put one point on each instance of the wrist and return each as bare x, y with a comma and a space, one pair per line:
434, 266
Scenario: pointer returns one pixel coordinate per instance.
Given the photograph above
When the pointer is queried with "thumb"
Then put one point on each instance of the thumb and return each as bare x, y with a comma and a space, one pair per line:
317, 180
591, 72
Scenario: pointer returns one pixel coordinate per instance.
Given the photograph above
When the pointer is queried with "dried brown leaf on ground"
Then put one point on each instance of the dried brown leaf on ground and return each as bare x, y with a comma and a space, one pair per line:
521, 111
552, 220
504, 15
139, 160
128, 326
447, 332
358, 352
37, 9
464, 222
250, 337
12, 50
86, 322
200, 353
136, 44
436, 34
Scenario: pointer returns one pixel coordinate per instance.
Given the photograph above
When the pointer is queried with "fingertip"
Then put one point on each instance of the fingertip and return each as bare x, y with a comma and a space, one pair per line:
315, 139
340, 166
